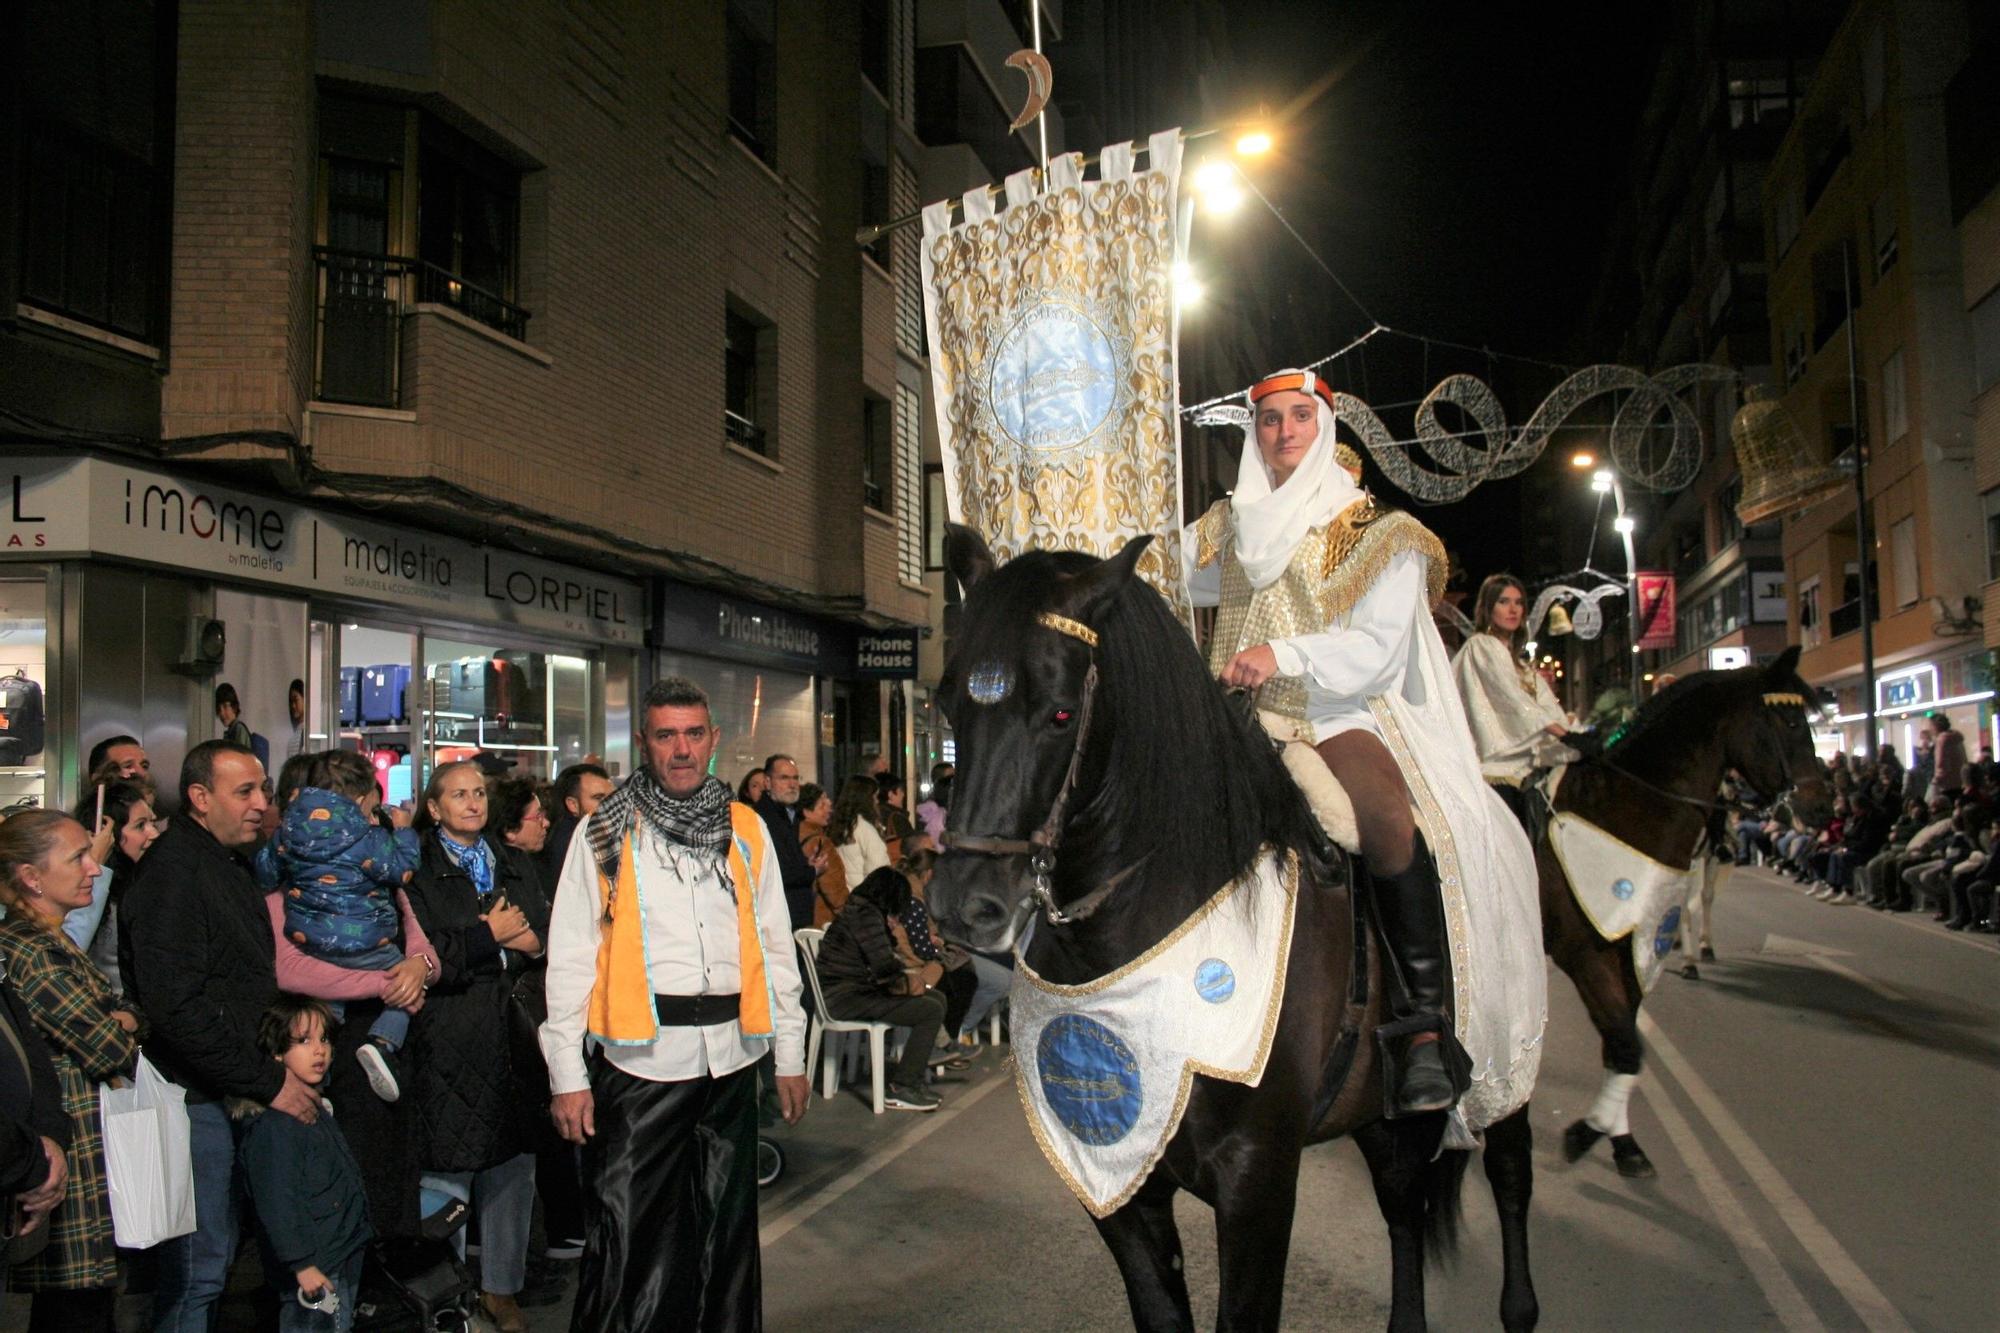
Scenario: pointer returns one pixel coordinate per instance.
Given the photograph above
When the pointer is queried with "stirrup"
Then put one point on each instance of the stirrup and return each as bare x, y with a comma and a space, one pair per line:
1392, 1047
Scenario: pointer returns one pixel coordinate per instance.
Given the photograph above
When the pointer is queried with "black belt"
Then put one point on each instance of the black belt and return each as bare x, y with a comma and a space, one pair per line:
696, 1011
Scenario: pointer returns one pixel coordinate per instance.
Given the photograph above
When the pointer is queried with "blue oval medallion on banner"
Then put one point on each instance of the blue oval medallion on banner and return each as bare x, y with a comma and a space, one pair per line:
1663, 938
1214, 980
1054, 378
1089, 1077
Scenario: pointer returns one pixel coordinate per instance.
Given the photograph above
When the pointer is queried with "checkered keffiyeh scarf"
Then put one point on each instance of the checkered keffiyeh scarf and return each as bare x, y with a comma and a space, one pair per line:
699, 823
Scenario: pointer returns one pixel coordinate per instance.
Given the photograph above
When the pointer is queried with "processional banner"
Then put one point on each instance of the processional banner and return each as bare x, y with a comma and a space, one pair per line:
1052, 339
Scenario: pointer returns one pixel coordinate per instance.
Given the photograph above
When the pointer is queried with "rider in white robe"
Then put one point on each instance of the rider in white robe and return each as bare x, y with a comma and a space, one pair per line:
1324, 611
1517, 724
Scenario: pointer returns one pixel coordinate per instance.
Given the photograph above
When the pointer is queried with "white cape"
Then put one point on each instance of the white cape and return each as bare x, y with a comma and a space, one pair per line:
1624, 892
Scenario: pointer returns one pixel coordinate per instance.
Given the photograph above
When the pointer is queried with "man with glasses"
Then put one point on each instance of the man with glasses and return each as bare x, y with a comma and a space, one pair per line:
780, 809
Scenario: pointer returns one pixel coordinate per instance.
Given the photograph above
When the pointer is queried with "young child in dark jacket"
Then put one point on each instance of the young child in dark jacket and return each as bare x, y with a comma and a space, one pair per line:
312, 1214
339, 871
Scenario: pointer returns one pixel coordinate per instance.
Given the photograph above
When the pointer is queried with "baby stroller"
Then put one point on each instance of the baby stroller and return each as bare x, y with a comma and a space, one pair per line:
417, 1286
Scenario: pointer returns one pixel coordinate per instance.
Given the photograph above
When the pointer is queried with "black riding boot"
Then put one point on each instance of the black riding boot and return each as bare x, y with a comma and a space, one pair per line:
1431, 1071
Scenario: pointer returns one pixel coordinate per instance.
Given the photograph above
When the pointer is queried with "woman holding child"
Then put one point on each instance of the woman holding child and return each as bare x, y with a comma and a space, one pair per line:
479, 902
46, 871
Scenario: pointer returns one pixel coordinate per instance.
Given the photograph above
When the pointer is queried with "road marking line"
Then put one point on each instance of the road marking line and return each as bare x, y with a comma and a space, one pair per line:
1784, 1296
1855, 1286
778, 1227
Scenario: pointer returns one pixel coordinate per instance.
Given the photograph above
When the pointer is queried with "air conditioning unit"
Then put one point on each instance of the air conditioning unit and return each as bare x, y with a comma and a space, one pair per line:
201, 653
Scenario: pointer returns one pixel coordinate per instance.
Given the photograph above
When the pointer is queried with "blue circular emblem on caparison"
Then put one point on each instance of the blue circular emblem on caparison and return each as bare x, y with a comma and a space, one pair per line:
1663, 938
1214, 980
1622, 889
1090, 1079
1054, 378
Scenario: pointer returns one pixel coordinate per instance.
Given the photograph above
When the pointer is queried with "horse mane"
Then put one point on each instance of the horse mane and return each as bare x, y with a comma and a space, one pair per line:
1188, 782
1701, 687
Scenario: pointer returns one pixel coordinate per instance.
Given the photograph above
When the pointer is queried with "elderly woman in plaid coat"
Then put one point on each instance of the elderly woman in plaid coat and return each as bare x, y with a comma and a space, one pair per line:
46, 871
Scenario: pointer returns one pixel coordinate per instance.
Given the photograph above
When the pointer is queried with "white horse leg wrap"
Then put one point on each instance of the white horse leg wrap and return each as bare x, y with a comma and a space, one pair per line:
1607, 1113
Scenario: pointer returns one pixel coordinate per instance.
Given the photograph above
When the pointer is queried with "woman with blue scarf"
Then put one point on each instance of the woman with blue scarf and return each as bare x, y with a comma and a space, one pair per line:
482, 905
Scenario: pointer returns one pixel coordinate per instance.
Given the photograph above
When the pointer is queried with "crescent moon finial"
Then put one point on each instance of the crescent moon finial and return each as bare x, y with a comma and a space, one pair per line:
1041, 81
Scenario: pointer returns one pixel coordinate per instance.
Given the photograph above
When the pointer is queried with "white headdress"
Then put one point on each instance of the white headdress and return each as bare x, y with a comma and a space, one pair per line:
1271, 521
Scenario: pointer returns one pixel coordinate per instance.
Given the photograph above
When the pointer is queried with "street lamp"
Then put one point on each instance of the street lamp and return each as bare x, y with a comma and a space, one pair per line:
1255, 143
1583, 459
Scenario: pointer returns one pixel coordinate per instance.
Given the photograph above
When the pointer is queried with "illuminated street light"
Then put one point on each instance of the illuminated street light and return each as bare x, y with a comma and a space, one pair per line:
1624, 524
1254, 144
1600, 481
1216, 182
1582, 458
1188, 289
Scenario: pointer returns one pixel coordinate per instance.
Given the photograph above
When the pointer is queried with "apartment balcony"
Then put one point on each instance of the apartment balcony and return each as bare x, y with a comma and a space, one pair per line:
358, 326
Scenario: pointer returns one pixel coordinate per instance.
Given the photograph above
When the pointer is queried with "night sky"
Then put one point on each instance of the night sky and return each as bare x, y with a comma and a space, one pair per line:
1457, 171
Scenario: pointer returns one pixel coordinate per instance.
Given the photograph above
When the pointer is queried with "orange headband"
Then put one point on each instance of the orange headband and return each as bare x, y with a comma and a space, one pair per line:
1293, 381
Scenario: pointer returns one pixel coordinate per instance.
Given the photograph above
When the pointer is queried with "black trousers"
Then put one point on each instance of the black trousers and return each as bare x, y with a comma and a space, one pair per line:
922, 1014
670, 1208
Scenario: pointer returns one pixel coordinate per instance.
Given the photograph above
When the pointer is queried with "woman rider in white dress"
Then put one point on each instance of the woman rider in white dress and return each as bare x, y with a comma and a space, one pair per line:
1517, 724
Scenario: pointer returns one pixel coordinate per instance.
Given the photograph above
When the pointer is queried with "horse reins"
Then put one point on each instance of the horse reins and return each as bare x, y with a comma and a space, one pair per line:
1707, 807
1040, 846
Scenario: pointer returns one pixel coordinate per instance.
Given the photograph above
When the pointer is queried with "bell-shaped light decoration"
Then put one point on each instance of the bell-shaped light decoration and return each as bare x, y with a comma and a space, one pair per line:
1778, 470
1558, 622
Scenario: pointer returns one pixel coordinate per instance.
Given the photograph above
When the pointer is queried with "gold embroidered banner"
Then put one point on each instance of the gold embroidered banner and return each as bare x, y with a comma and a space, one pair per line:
1053, 330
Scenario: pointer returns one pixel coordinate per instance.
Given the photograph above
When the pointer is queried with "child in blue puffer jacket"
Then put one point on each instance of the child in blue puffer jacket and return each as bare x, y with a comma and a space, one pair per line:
339, 871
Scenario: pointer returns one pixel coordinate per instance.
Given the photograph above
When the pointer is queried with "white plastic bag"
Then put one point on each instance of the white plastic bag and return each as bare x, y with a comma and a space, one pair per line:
147, 1163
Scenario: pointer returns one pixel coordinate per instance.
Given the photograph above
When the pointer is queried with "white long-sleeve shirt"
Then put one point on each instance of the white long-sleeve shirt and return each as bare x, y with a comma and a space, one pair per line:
862, 854
691, 949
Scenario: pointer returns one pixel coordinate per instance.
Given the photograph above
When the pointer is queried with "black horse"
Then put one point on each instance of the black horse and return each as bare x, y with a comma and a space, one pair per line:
1104, 780
1654, 787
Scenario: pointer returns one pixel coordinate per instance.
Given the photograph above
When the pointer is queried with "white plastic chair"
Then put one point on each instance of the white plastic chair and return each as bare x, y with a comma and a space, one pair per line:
823, 1022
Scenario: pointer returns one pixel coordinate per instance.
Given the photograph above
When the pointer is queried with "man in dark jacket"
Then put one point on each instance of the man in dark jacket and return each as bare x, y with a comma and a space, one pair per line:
34, 1128
780, 810
204, 969
579, 789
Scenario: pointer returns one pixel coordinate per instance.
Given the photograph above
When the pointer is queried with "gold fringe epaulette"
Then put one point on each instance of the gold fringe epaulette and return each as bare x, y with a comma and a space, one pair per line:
1211, 532
1358, 546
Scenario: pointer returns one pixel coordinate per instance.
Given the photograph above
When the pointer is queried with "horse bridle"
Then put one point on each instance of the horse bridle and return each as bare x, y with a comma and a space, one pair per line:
1781, 699
1040, 846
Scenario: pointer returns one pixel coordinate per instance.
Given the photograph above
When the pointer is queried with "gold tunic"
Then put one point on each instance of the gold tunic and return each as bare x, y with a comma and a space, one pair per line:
1330, 572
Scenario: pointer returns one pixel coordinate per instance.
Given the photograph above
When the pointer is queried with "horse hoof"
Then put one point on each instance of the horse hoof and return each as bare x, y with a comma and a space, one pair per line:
1579, 1139
1691, 972
1707, 954
1633, 1164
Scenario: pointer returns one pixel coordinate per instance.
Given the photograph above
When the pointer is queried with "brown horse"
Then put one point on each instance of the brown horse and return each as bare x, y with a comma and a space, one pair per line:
1104, 782
1654, 787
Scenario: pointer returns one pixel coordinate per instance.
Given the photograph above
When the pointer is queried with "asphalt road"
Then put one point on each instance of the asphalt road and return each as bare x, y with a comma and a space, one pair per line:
1820, 1104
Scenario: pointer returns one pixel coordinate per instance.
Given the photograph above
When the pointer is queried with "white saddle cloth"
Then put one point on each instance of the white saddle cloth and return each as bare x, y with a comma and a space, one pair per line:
1625, 893
1104, 1068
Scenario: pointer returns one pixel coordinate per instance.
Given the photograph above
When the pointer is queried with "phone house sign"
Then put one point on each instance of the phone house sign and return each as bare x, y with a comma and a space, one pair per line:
84, 506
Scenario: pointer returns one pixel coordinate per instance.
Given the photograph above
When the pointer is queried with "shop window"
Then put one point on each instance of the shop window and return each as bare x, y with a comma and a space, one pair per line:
751, 64
1895, 403
367, 702
532, 707
24, 704
1903, 560
877, 458
748, 350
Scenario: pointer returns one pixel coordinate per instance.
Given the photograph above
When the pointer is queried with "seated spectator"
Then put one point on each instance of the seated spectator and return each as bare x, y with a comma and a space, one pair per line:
1816, 857
1962, 873
830, 888
934, 808
1872, 879
973, 983
753, 786
855, 835
46, 871
891, 818
338, 871
1867, 829
303, 1181
1929, 880
867, 979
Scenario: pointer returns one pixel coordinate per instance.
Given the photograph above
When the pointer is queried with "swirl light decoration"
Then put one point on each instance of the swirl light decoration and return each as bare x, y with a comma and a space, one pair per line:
1587, 621
1461, 466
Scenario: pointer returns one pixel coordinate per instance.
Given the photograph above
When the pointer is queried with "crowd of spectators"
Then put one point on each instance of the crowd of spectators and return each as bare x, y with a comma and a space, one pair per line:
282, 946
1902, 838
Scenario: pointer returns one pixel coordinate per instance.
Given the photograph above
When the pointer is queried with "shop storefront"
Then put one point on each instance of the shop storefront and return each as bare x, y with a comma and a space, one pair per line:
1961, 686
831, 694
129, 595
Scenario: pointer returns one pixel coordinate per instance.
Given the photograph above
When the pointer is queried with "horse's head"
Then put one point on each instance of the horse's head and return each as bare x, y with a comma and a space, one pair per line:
1770, 743
1018, 689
